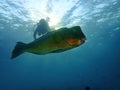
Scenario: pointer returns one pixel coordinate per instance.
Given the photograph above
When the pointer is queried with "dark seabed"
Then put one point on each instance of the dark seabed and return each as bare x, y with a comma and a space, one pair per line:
95, 64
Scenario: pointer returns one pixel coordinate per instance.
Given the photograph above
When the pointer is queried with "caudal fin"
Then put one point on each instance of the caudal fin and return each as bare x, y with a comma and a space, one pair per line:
18, 50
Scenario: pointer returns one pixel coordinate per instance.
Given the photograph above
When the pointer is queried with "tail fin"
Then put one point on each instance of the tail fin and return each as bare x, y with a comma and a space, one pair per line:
18, 50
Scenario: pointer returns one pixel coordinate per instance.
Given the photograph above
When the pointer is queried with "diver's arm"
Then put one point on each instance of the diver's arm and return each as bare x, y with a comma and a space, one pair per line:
35, 33
35, 26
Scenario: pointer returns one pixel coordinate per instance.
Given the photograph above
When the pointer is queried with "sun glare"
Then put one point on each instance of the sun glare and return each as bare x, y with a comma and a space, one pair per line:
53, 20
39, 12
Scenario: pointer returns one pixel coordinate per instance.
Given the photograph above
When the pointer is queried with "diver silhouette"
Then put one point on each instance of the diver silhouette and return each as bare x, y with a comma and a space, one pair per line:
42, 27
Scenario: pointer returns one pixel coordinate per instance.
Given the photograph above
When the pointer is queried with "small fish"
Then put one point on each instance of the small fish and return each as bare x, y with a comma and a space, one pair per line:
52, 42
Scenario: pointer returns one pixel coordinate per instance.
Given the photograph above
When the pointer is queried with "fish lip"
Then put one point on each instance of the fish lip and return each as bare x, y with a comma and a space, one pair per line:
83, 39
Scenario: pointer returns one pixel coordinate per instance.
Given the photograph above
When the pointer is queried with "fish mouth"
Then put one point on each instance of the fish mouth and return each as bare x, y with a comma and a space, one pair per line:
82, 40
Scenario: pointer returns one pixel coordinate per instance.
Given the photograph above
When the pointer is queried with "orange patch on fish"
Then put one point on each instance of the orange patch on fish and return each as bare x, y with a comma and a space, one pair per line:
74, 41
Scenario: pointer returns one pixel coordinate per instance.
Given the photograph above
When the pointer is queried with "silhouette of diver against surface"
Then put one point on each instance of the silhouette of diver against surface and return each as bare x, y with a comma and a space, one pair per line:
42, 27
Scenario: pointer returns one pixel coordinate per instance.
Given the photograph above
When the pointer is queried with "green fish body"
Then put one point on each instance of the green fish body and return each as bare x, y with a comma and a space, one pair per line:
52, 42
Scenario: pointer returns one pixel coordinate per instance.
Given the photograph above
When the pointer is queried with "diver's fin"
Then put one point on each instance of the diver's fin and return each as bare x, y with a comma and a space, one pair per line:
19, 49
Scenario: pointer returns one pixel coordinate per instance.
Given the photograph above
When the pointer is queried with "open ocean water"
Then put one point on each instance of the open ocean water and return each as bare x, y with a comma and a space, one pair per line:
95, 64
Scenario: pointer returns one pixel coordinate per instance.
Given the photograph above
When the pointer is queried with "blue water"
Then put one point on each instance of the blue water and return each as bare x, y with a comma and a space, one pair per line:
95, 64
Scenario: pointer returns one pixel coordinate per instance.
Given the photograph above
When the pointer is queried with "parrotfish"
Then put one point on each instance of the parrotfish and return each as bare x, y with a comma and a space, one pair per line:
52, 42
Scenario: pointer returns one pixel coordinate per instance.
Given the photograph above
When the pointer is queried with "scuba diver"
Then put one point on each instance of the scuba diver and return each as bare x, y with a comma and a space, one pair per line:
42, 27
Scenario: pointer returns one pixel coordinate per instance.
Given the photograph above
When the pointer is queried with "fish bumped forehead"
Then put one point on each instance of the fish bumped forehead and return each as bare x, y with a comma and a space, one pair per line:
76, 32
76, 29
73, 32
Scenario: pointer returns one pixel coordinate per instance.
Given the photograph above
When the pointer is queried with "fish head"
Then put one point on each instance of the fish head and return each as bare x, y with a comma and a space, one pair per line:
75, 36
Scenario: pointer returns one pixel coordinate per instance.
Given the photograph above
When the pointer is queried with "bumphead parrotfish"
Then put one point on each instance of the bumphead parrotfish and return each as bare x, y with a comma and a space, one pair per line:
52, 42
